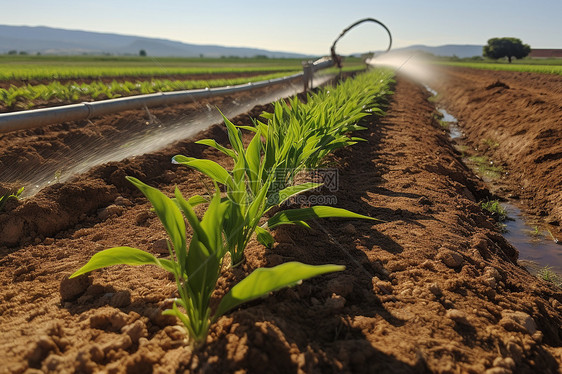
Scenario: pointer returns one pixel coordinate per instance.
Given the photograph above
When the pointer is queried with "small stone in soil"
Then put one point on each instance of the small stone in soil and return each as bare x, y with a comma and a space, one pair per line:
490, 282
518, 321
450, 258
160, 246
458, 316
122, 201
435, 289
110, 211
135, 331
141, 218
70, 289
341, 285
383, 287
506, 362
349, 229
424, 201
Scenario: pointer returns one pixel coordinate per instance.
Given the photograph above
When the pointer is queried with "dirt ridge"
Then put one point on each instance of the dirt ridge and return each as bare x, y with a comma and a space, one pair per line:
432, 288
517, 122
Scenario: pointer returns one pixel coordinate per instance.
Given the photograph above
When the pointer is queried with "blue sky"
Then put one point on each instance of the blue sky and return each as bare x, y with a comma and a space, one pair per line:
302, 26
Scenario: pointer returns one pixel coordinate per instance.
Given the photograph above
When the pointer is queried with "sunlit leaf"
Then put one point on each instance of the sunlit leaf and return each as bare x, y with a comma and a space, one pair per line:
265, 280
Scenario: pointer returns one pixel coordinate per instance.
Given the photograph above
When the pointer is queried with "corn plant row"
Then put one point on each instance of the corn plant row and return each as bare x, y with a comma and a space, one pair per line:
95, 67
74, 67
27, 96
252, 190
297, 136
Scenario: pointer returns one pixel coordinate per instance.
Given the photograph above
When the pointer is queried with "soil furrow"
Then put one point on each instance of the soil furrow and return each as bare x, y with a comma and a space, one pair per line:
516, 120
433, 287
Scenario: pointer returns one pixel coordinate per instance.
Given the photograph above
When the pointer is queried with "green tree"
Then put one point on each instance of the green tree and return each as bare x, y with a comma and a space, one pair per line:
506, 47
142, 53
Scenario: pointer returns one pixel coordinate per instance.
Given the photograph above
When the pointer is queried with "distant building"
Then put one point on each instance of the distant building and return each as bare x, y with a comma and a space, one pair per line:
545, 53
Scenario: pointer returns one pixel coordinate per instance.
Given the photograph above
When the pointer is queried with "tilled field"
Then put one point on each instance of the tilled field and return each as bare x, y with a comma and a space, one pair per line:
108, 80
515, 119
432, 288
36, 94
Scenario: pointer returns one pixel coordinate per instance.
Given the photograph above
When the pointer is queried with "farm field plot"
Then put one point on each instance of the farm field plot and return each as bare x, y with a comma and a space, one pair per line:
548, 67
432, 287
44, 81
20, 69
515, 118
39, 81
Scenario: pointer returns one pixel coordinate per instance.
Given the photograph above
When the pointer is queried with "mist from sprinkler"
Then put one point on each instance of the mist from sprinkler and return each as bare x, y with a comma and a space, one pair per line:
414, 65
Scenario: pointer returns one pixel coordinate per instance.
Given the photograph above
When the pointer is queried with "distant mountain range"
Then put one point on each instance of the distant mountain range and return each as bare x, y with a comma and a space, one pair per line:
47, 40
459, 50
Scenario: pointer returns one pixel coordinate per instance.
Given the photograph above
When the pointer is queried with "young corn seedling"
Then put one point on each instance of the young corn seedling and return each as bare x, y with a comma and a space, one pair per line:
197, 267
297, 136
301, 135
254, 187
4, 198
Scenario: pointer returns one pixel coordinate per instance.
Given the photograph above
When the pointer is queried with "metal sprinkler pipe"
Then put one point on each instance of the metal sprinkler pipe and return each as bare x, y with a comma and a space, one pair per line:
337, 58
47, 116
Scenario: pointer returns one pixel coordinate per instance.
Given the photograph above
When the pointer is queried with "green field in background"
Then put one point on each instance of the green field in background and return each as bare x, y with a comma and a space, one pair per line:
25, 97
68, 67
521, 65
142, 75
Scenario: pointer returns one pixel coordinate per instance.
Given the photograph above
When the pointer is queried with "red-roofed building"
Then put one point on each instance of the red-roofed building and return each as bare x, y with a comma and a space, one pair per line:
545, 53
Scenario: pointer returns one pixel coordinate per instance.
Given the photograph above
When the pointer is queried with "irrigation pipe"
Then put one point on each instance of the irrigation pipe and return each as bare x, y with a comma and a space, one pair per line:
47, 116
337, 58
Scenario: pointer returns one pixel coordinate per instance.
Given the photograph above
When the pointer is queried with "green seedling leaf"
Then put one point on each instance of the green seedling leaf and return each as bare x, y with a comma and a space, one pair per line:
264, 237
123, 256
234, 135
356, 139
249, 128
288, 192
4, 198
212, 143
197, 200
193, 201
181, 316
167, 212
210, 168
292, 216
187, 210
265, 280
253, 156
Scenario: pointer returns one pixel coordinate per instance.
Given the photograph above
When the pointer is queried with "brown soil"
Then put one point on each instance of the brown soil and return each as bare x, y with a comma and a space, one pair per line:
432, 288
515, 119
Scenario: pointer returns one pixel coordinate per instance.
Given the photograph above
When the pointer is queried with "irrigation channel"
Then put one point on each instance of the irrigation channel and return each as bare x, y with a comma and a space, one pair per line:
538, 251
134, 139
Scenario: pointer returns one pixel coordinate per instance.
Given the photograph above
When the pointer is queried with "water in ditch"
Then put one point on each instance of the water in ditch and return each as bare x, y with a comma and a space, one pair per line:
539, 251
532, 237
